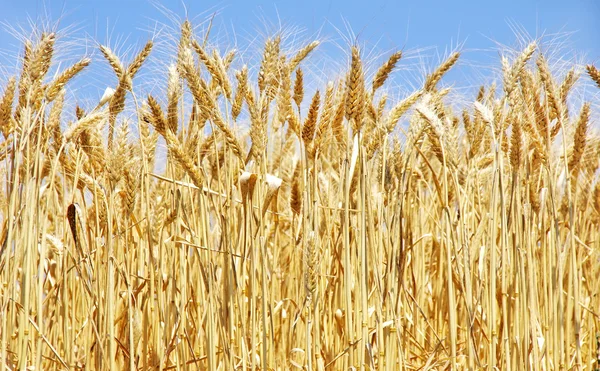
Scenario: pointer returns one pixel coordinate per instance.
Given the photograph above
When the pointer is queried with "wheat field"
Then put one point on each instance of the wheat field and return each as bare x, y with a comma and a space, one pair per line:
290, 226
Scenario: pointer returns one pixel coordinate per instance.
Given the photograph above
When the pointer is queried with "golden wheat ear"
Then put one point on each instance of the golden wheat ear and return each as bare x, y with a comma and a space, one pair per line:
432, 80
385, 70
595, 76
355, 91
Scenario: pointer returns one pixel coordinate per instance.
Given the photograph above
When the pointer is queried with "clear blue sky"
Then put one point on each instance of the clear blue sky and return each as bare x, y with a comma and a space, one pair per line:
415, 23
475, 26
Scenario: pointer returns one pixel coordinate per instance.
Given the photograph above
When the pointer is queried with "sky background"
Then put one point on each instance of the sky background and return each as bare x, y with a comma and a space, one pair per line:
426, 30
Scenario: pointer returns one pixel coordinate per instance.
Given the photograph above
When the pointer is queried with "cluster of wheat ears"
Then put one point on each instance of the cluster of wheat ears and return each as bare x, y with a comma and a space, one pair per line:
329, 237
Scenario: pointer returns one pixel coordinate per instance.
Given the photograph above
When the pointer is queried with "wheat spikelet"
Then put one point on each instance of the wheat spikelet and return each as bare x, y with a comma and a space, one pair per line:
385, 70
371, 112
173, 95
258, 128
355, 94
117, 100
296, 194
579, 140
79, 112
302, 54
533, 88
148, 139
230, 137
24, 79
468, 125
590, 159
169, 218
480, 94
82, 124
27, 55
284, 99
139, 60
373, 141
432, 79
157, 116
207, 147
596, 201
228, 59
36, 96
55, 87
90, 141
337, 123
310, 123
551, 91
197, 86
326, 115
396, 155
113, 60
434, 129
36, 63
593, 73
191, 137
533, 190
54, 118
222, 72
312, 259
116, 105
131, 180
531, 106
240, 93
515, 144
181, 156
511, 74
514, 104
282, 156
41, 58
197, 121
119, 156
381, 106
184, 43
400, 109
205, 59
299, 87
452, 147
100, 198
216, 69
6, 107
268, 67
294, 124
266, 61
565, 87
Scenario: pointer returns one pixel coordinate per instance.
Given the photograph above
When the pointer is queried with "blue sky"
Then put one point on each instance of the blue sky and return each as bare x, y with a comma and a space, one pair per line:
428, 27
414, 23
